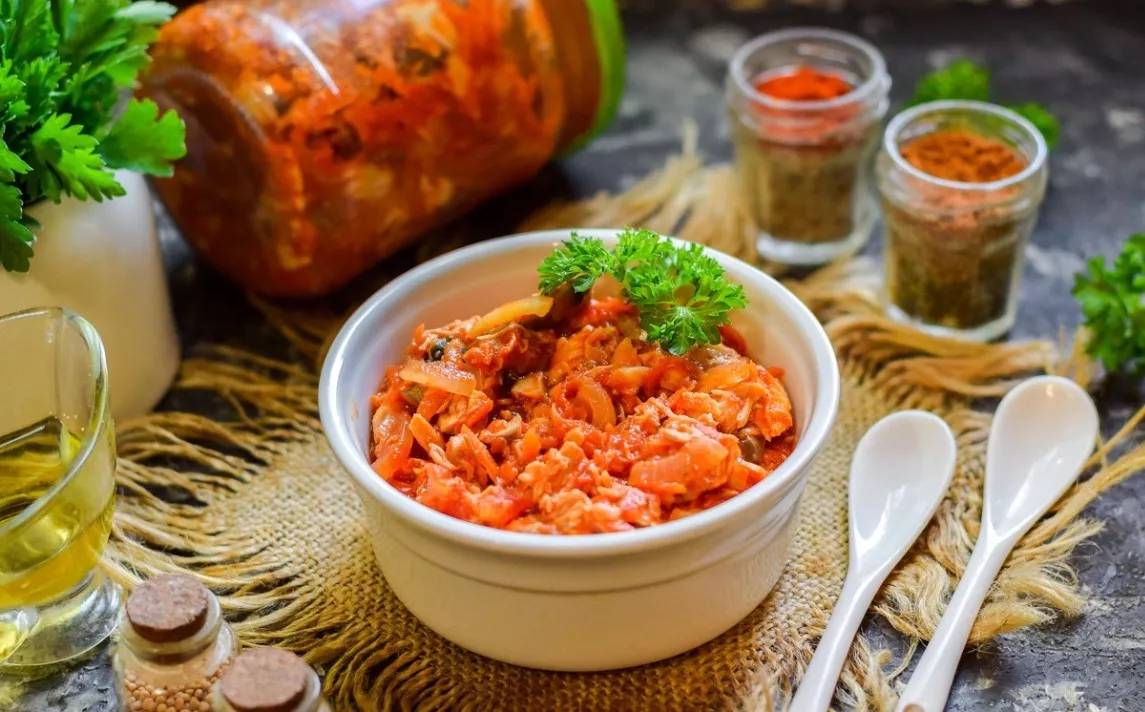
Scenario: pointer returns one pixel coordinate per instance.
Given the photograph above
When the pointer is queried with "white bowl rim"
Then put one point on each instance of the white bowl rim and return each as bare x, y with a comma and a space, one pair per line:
338, 432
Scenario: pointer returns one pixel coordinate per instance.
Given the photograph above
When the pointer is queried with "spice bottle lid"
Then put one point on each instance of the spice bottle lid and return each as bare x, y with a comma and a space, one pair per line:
265, 680
168, 608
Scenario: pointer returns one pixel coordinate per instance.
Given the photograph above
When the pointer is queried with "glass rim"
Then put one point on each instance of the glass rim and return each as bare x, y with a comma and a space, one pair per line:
899, 122
877, 80
100, 408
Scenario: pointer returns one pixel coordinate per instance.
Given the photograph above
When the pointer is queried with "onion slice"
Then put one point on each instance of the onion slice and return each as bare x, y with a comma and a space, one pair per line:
439, 374
516, 310
597, 402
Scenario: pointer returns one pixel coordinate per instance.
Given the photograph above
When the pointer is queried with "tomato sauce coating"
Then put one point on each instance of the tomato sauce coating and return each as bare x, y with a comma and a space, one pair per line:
577, 425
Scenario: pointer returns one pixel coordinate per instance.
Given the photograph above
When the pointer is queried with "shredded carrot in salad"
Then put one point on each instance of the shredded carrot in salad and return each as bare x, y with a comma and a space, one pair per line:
575, 425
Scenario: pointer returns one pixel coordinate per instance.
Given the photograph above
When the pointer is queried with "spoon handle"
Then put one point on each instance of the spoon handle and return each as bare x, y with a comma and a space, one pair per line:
818, 684
929, 687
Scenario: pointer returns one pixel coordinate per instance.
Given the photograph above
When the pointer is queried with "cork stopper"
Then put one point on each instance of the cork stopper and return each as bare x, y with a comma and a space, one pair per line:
265, 680
168, 608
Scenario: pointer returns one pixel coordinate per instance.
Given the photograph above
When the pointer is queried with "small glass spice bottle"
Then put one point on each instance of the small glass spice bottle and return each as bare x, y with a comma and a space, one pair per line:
269, 680
961, 183
173, 646
805, 107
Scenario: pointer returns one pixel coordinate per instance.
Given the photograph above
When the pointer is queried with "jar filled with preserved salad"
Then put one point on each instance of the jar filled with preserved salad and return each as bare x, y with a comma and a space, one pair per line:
324, 135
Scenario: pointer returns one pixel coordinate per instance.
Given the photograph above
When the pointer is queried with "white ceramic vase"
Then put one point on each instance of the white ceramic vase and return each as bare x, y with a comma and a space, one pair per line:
103, 261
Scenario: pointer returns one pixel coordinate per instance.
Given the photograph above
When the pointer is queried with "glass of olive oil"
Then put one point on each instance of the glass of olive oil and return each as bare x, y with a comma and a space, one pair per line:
57, 491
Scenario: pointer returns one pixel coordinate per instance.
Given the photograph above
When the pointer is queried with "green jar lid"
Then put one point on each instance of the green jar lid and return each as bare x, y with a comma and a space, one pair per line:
608, 36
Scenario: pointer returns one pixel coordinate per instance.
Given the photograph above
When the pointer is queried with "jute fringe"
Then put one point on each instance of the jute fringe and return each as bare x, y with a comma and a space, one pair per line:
176, 466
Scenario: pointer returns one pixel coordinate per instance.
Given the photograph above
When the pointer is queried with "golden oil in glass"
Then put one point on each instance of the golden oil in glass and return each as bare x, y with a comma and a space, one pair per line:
54, 549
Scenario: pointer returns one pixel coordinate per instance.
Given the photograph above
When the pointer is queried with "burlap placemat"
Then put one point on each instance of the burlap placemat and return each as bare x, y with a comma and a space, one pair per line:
277, 530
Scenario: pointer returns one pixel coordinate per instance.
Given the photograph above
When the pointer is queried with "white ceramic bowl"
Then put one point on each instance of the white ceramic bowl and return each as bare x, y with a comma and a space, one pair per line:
590, 602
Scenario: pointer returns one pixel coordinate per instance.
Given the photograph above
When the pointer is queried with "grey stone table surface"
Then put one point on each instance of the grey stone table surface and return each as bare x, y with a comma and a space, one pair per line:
1084, 60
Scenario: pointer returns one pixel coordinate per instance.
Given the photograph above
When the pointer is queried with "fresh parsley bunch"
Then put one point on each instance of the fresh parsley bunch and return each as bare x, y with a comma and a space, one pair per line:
1113, 304
64, 128
964, 80
681, 293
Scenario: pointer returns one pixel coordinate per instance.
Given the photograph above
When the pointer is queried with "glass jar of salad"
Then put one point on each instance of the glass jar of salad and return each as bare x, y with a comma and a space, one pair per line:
324, 135
805, 107
961, 183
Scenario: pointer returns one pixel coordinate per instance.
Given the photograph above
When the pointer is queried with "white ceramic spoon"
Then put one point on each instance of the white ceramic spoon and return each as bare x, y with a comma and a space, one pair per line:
900, 472
1043, 433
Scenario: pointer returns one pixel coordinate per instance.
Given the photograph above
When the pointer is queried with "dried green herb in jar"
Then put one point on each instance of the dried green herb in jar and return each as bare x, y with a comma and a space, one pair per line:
954, 272
802, 193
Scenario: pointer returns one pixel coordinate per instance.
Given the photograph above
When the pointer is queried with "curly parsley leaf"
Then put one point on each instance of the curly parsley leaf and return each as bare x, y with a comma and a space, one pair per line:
684, 299
962, 79
638, 247
965, 80
144, 142
1043, 121
680, 292
579, 261
1113, 304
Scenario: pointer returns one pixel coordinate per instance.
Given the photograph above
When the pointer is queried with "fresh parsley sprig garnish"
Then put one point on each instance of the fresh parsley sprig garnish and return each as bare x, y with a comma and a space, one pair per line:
1113, 304
680, 292
967, 81
64, 65
580, 261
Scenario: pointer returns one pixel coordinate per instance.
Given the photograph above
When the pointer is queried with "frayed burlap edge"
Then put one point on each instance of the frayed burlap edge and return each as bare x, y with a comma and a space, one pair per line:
275, 405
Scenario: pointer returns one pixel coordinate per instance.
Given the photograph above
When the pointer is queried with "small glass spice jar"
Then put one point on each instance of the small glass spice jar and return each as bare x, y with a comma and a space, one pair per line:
173, 646
269, 680
961, 183
324, 135
805, 107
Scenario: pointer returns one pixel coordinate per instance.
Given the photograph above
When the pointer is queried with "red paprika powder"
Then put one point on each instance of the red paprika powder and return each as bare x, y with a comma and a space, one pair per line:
804, 83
